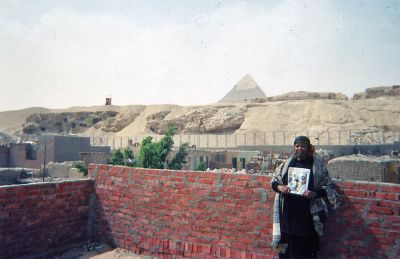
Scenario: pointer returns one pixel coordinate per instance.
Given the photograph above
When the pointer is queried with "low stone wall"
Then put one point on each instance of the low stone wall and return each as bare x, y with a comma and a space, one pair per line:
365, 168
14, 175
204, 214
39, 219
65, 169
9, 175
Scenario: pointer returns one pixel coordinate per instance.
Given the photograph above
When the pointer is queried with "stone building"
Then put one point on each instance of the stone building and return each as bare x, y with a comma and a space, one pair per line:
217, 159
48, 148
365, 168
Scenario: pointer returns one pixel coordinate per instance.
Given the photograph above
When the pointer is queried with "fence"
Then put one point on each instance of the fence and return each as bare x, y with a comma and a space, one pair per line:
256, 138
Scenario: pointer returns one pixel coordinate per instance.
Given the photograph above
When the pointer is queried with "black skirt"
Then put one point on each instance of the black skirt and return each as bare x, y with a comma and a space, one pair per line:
300, 247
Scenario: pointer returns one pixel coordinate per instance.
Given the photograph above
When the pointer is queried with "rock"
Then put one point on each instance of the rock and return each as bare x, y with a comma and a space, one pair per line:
372, 119
77, 122
302, 95
118, 122
74, 173
5, 138
206, 120
31, 128
380, 91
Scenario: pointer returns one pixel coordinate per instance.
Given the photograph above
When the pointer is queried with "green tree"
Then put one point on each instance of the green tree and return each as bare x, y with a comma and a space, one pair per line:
154, 154
116, 157
129, 159
180, 157
164, 146
147, 154
122, 157
128, 153
83, 169
202, 166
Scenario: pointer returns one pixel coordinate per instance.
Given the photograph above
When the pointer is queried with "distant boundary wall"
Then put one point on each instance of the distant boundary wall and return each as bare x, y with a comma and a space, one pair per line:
205, 214
260, 138
336, 150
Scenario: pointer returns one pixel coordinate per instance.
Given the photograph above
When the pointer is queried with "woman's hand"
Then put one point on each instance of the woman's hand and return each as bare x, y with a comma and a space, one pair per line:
309, 194
284, 188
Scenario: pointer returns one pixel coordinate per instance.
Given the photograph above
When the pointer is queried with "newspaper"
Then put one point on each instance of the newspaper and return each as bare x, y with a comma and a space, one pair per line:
298, 179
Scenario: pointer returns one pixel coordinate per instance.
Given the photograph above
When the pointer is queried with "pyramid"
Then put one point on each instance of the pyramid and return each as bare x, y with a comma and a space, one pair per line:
245, 89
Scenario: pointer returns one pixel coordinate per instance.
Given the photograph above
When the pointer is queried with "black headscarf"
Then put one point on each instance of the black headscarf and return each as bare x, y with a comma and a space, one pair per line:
302, 139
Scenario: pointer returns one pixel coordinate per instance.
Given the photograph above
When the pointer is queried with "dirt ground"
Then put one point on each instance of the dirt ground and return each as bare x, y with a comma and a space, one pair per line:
99, 251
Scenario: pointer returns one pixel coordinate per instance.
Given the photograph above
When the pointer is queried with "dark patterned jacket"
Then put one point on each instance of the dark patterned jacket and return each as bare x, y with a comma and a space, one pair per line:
318, 206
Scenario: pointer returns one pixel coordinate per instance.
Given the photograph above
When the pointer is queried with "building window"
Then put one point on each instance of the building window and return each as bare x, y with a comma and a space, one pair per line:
204, 159
30, 152
220, 158
243, 162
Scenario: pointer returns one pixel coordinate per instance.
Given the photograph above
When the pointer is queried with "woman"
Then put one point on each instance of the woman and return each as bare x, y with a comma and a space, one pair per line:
299, 216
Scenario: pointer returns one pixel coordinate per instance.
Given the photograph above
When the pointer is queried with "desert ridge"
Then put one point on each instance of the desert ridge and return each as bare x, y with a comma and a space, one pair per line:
293, 115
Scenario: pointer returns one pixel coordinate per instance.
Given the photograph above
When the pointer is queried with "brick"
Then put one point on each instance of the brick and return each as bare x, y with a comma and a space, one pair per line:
206, 181
239, 183
13, 206
213, 175
104, 167
375, 216
390, 188
184, 191
393, 219
207, 249
191, 179
149, 177
381, 210
246, 191
389, 204
176, 179
266, 185
365, 201
228, 189
228, 176
355, 193
180, 185
387, 196
375, 231
244, 202
368, 186
243, 177
395, 235
347, 185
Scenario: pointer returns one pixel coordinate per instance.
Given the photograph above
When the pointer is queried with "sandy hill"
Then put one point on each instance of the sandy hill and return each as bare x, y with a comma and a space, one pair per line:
295, 115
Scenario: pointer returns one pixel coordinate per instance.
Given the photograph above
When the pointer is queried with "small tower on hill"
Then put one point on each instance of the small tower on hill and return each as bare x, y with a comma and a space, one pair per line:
108, 100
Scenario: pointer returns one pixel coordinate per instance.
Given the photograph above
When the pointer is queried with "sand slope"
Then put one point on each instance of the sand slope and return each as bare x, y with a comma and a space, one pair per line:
302, 115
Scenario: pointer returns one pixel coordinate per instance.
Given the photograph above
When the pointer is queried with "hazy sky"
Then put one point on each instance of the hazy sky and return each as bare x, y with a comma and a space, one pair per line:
58, 54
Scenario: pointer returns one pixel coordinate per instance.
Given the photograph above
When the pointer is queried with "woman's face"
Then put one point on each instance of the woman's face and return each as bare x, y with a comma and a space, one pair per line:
301, 150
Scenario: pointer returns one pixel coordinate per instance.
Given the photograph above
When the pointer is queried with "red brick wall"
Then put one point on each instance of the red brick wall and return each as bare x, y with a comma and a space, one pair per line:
37, 219
183, 213
368, 223
198, 214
